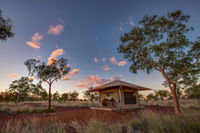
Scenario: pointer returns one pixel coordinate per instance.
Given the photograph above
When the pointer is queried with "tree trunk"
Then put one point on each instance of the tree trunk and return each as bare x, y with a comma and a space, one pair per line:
175, 100
49, 104
173, 88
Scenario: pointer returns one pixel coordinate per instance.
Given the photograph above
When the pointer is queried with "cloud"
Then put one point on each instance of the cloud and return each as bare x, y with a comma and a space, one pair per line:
71, 74
121, 28
113, 60
55, 30
95, 80
74, 71
54, 54
96, 60
122, 63
33, 44
103, 59
37, 37
66, 78
106, 68
13, 75
131, 21
80, 84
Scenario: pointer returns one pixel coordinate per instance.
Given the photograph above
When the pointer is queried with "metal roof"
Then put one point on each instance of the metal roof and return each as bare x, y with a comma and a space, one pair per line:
117, 83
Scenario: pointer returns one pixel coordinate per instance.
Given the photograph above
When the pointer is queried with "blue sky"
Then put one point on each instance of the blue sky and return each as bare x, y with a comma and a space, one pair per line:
84, 30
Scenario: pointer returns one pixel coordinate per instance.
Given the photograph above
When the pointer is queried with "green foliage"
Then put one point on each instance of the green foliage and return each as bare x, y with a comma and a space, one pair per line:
48, 72
91, 96
193, 92
56, 96
160, 43
5, 28
150, 96
24, 89
73, 96
64, 97
159, 95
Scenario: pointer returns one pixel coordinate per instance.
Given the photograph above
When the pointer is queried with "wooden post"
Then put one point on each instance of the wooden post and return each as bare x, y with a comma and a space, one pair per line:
120, 96
100, 99
137, 97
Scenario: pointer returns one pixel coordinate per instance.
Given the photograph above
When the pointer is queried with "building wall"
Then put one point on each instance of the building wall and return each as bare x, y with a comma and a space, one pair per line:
115, 94
112, 94
129, 106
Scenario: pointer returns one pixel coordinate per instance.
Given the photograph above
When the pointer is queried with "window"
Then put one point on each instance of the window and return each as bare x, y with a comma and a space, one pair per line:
130, 98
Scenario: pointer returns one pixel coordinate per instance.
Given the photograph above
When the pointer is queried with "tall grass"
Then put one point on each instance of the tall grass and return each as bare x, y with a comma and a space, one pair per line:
149, 122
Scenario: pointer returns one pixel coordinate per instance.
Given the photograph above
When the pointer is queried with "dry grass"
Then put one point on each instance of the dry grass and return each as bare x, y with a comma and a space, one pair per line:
148, 122
10, 107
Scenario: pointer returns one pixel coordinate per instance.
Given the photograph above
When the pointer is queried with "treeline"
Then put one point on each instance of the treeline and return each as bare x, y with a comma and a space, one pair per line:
25, 90
189, 93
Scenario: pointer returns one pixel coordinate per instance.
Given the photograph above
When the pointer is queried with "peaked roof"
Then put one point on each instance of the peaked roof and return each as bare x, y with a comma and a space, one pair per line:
116, 83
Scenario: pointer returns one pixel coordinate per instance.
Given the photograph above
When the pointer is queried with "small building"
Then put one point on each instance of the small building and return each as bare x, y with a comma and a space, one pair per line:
118, 95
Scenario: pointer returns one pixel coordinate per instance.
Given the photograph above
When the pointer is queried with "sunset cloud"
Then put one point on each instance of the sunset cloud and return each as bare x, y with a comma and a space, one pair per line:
37, 37
74, 71
54, 54
122, 63
33, 44
106, 68
113, 60
55, 30
13, 75
95, 80
80, 84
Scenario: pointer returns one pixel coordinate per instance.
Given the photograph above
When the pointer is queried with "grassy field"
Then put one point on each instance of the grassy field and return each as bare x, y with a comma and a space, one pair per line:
148, 121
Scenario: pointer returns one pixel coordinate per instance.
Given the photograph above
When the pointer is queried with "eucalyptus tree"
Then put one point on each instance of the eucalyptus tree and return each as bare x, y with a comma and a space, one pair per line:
161, 44
48, 73
6, 28
20, 89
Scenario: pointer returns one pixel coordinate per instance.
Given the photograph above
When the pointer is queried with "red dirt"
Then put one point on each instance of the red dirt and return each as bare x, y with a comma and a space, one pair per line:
84, 114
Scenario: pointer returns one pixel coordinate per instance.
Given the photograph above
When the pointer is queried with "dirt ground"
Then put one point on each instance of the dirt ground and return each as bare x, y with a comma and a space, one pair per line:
85, 114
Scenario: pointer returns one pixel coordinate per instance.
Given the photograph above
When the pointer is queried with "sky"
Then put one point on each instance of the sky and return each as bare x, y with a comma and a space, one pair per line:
87, 33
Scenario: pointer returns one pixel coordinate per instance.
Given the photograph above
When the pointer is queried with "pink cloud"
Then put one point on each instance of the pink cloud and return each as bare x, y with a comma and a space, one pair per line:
95, 80
66, 78
37, 37
13, 75
33, 44
113, 60
106, 68
122, 63
74, 71
55, 30
80, 84
54, 54
71, 74
96, 60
